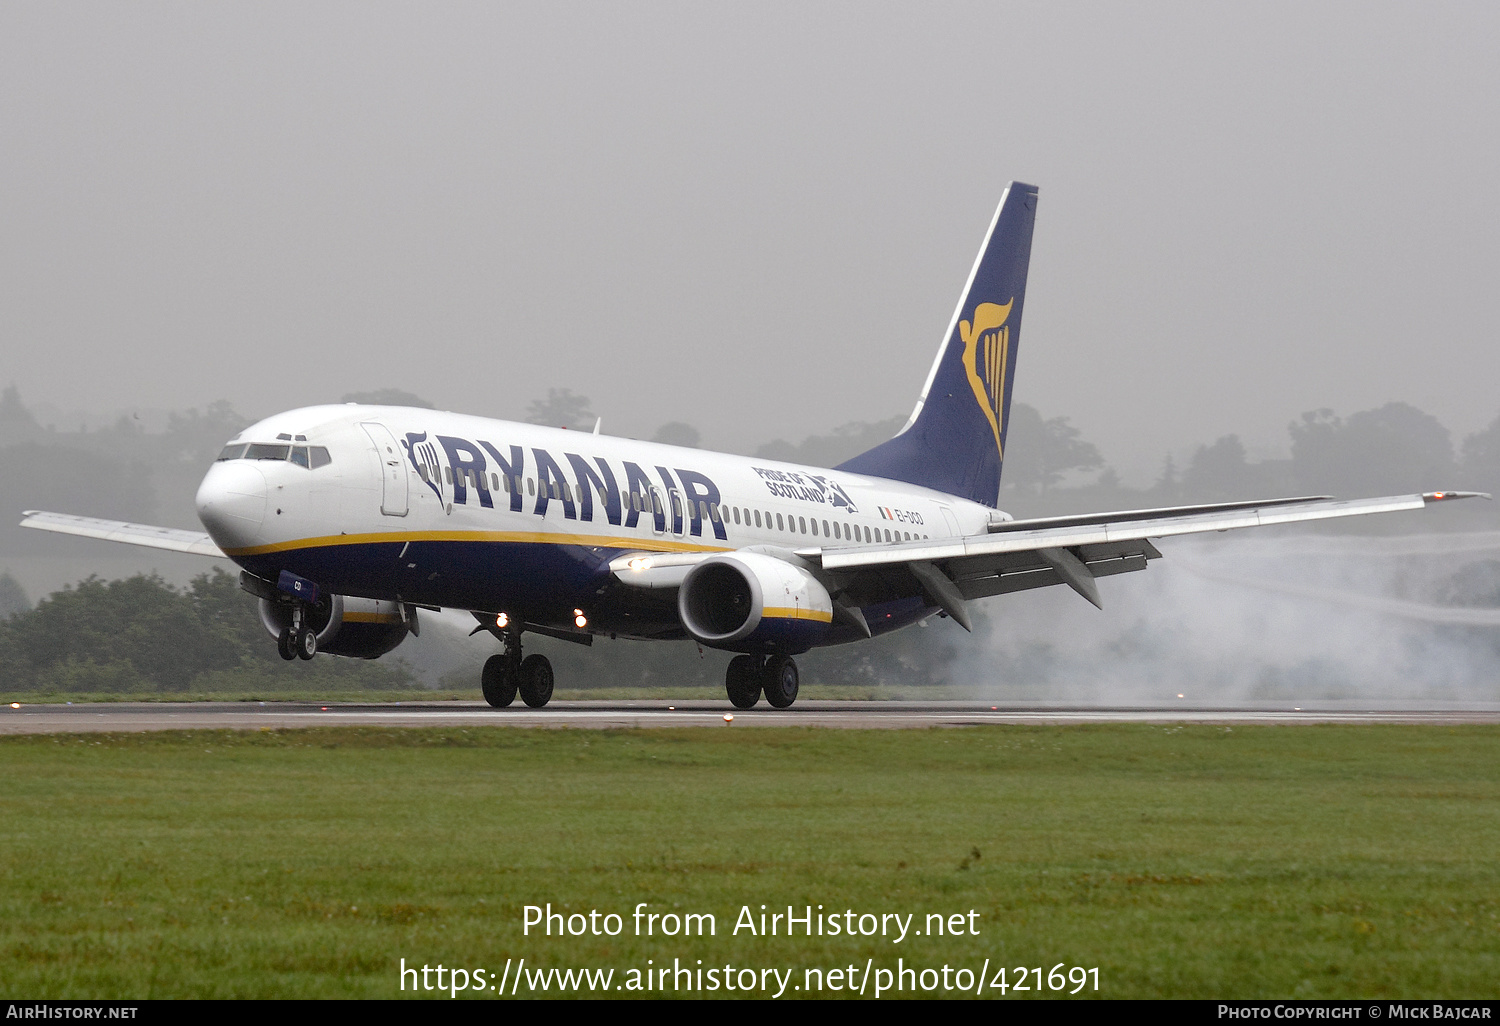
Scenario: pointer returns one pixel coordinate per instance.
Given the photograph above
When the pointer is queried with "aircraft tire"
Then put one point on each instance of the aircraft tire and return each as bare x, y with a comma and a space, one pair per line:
284, 645
498, 681
536, 681
779, 680
307, 643
742, 681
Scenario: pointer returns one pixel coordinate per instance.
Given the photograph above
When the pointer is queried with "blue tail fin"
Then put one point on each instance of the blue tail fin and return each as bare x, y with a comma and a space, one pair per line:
955, 439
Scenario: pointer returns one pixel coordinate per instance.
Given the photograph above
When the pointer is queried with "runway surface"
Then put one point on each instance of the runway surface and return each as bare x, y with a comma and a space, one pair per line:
144, 716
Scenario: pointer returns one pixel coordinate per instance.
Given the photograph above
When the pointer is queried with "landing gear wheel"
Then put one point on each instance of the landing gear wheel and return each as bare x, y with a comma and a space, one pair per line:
307, 643
498, 681
742, 681
536, 681
779, 679
284, 645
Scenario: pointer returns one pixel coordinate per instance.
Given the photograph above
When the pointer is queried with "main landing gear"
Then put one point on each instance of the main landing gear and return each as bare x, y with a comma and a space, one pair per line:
507, 673
299, 641
749, 676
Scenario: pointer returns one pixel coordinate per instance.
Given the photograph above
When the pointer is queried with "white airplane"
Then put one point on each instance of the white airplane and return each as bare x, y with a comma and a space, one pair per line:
348, 519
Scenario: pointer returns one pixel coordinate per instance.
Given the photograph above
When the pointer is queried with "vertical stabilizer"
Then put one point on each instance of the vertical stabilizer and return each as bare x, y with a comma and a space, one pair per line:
955, 439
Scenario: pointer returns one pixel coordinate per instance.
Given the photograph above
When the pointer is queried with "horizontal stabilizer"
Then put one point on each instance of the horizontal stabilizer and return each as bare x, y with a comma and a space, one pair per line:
195, 542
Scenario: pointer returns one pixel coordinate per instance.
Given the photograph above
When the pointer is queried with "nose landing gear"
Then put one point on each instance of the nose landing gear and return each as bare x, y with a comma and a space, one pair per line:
298, 641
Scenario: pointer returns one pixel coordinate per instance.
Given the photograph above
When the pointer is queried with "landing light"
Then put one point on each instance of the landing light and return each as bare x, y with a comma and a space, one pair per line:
17, 705
638, 563
502, 621
579, 619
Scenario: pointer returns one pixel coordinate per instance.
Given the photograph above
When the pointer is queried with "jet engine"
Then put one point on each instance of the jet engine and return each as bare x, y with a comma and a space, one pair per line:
358, 627
752, 602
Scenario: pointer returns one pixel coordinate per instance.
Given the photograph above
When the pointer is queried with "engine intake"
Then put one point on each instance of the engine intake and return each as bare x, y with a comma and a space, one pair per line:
752, 602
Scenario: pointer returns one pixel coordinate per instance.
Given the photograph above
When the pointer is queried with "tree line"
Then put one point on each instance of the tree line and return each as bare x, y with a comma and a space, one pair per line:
142, 635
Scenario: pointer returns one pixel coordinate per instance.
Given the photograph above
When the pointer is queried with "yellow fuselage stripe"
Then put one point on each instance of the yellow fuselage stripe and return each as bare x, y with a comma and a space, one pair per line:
521, 537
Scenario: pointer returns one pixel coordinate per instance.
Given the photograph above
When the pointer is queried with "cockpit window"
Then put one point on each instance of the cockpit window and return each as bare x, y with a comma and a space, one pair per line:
310, 456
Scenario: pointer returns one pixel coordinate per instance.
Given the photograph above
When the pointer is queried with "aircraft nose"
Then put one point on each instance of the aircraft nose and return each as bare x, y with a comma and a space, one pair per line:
232, 503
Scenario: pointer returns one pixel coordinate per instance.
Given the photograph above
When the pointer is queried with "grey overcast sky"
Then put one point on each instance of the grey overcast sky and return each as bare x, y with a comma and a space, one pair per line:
752, 217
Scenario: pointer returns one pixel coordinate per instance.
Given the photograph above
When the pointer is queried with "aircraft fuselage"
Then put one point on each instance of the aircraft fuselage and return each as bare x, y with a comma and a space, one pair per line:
458, 511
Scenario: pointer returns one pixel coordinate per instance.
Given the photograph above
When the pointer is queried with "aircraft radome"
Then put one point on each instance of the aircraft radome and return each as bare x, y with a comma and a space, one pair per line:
346, 520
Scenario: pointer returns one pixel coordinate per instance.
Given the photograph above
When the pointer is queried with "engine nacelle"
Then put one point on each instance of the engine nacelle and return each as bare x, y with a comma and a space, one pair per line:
751, 602
358, 627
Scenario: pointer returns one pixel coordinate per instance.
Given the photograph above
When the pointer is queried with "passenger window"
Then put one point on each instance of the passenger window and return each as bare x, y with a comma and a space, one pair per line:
320, 457
779, 525
713, 512
757, 518
530, 486
867, 534
815, 526
736, 514
802, 522
447, 475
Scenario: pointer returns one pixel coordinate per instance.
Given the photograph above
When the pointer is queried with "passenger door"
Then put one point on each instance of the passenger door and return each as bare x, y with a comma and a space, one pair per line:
394, 484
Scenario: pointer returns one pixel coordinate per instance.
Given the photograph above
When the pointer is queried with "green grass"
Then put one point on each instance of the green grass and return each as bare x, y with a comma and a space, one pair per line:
1182, 861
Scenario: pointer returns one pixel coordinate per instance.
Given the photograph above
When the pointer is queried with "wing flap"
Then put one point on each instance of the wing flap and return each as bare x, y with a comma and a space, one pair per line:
194, 542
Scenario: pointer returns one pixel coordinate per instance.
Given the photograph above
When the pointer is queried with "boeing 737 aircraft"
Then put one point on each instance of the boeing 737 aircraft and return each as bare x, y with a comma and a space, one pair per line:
347, 520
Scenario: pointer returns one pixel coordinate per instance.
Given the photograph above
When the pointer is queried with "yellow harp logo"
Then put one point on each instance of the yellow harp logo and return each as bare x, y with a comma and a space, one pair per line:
986, 350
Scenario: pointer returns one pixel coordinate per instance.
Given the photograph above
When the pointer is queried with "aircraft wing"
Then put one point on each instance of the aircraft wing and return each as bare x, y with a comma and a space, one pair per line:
195, 542
1018, 555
